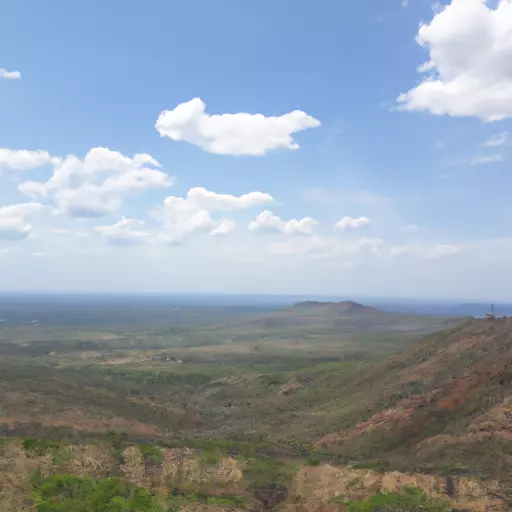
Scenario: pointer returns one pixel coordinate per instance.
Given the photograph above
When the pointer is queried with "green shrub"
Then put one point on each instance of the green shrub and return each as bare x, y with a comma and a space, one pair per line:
455, 468
312, 461
179, 498
228, 500
233, 448
117, 441
379, 465
67, 493
410, 500
40, 447
261, 472
152, 454
210, 457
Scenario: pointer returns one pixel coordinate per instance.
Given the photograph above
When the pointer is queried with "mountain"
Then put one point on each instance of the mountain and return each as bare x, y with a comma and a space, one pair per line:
334, 319
443, 402
345, 307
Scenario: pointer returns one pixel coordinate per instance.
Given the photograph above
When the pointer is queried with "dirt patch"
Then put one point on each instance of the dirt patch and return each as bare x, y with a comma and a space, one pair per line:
401, 412
290, 388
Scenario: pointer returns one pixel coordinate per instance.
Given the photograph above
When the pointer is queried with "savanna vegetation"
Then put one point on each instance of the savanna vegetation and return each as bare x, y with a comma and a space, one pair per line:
204, 409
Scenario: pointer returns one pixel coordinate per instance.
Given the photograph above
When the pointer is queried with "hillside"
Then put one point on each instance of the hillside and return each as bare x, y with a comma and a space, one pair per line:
229, 424
445, 401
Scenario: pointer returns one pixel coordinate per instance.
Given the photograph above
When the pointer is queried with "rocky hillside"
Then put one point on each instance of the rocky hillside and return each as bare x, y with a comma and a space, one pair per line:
38, 475
443, 403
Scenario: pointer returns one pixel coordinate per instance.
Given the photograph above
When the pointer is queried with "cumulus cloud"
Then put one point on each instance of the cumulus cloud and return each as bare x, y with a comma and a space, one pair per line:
267, 220
351, 222
496, 140
14, 220
96, 185
181, 216
486, 159
232, 134
24, 160
469, 66
125, 232
9, 75
224, 228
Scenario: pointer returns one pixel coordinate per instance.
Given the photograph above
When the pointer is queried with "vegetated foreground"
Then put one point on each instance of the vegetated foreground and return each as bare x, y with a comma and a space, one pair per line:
268, 412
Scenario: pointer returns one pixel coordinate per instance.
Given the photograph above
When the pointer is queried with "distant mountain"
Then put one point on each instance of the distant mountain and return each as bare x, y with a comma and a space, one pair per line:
332, 319
344, 307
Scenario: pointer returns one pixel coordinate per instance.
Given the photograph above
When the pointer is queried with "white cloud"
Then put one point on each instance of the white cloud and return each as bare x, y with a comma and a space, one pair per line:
429, 252
14, 224
125, 232
181, 216
24, 160
353, 249
325, 247
224, 228
232, 134
267, 220
486, 159
9, 75
96, 185
351, 222
405, 3
79, 233
496, 140
470, 55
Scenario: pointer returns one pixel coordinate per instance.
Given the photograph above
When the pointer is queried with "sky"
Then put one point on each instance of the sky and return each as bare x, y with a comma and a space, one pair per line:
343, 148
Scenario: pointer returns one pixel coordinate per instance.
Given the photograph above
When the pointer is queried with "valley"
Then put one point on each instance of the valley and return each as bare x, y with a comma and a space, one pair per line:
314, 406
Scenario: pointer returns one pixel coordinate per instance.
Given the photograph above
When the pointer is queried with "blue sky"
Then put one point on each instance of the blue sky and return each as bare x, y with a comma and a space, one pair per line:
386, 181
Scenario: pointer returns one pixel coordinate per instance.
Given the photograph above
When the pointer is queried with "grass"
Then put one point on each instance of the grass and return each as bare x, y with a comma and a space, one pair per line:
410, 500
178, 498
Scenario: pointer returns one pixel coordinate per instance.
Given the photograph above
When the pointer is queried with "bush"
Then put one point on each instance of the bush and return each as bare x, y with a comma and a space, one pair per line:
261, 472
152, 454
40, 447
117, 441
210, 457
67, 493
410, 500
179, 498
